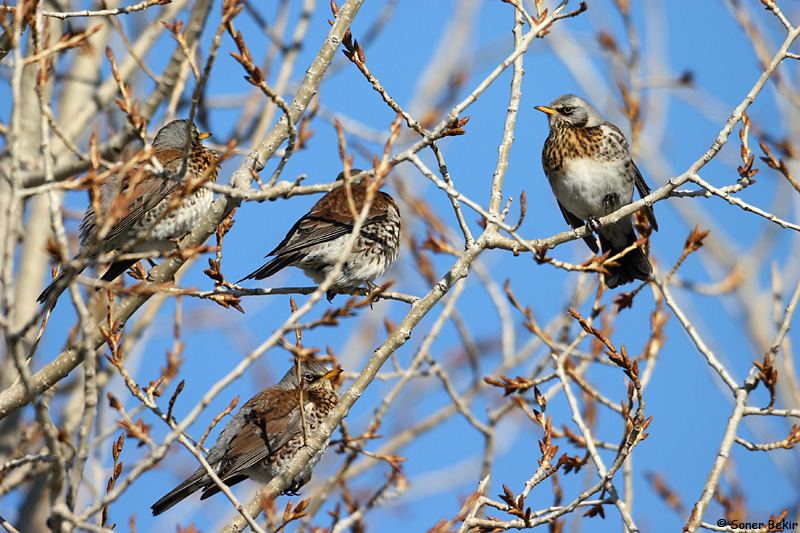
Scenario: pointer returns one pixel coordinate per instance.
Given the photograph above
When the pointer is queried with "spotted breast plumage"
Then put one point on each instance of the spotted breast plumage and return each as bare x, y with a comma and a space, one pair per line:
591, 172
265, 434
144, 210
317, 240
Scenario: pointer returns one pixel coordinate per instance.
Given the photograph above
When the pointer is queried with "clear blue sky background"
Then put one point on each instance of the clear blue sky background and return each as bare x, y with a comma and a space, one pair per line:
688, 406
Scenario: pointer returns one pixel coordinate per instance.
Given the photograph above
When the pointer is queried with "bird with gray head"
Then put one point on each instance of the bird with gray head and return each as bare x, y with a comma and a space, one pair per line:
265, 434
143, 210
316, 242
590, 169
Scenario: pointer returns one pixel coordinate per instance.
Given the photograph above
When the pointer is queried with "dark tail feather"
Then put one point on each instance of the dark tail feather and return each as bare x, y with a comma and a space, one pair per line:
116, 269
212, 489
279, 263
632, 266
57, 286
54, 290
194, 483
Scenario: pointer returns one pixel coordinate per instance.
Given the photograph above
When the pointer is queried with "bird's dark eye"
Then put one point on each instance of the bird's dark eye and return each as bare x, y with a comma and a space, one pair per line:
567, 109
309, 378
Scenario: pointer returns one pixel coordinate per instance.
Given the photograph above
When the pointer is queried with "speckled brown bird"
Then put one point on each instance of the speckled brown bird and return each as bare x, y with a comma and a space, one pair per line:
265, 434
144, 211
317, 240
587, 162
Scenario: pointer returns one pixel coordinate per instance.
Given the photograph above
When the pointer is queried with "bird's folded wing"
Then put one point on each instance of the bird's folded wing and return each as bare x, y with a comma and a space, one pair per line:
132, 205
312, 230
264, 434
644, 190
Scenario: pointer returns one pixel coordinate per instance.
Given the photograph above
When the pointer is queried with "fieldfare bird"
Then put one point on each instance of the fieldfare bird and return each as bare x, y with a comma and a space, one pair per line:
145, 210
265, 434
587, 162
317, 240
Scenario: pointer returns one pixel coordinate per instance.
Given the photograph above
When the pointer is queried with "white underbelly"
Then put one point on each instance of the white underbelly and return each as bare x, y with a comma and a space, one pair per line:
583, 186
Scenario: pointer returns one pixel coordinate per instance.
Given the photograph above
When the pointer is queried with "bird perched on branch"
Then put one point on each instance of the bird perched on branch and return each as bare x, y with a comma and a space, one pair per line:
265, 434
146, 209
317, 240
587, 162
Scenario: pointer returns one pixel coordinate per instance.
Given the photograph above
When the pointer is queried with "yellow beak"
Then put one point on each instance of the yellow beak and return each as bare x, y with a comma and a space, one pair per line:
204, 135
545, 109
333, 373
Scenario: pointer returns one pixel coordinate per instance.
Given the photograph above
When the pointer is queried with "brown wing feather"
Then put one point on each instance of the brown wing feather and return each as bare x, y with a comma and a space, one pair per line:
644, 190
146, 194
330, 218
641, 186
267, 429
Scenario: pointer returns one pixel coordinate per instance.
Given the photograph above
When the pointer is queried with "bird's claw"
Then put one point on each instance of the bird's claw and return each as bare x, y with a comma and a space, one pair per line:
609, 201
294, 488
371, 287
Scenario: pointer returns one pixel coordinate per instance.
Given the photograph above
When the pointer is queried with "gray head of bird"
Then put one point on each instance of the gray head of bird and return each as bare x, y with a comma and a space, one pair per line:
571, 110
173, 135
353, 172
313, 374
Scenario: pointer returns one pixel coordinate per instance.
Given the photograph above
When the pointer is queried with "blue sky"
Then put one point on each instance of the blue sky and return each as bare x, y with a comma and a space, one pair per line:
688, 405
